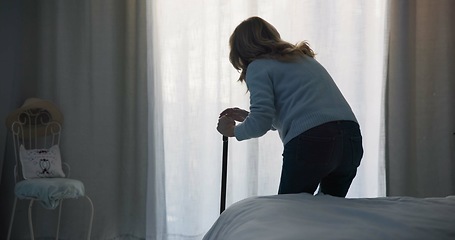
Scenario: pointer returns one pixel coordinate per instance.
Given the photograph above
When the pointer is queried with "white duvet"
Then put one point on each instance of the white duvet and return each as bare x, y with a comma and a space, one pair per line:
303, 216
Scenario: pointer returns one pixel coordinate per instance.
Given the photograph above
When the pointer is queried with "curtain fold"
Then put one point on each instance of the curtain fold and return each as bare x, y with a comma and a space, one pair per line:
156, 201
89, 57
420, 109
13, 31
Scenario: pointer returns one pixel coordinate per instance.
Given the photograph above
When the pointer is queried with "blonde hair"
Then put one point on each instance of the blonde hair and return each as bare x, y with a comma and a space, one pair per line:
256, 38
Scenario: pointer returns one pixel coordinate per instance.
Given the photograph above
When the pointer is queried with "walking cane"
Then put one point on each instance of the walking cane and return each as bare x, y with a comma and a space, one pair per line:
224, 175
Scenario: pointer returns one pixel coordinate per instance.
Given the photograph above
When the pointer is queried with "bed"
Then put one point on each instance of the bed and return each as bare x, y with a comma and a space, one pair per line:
304, 216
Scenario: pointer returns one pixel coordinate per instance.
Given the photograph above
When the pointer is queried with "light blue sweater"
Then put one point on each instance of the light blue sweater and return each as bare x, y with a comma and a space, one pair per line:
291, 97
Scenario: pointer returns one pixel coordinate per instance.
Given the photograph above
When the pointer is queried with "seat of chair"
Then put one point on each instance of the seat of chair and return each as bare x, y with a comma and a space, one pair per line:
48, 191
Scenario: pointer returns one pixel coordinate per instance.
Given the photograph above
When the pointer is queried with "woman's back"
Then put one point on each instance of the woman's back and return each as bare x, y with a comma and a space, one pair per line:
302, 95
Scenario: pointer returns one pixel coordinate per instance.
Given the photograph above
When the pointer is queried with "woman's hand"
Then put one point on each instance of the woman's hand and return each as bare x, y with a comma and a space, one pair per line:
226, 126
236, 114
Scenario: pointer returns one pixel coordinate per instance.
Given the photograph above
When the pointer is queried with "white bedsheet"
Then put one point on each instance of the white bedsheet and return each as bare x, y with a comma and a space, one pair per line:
303, 216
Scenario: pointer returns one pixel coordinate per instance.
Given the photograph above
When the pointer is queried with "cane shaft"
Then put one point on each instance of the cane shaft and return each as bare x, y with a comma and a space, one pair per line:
224, 174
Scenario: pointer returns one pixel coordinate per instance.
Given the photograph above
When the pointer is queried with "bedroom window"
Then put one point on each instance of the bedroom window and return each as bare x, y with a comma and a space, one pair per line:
195, 81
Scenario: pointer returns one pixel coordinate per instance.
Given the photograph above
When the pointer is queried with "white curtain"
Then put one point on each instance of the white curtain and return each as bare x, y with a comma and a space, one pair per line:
193, 81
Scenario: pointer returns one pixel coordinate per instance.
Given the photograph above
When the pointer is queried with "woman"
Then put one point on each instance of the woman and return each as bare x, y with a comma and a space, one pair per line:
291, 92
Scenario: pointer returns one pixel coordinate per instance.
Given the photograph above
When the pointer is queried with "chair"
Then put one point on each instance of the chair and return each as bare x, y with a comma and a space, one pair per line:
39, 173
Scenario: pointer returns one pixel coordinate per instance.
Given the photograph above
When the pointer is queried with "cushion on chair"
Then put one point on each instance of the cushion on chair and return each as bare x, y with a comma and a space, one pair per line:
41, 163
48, 191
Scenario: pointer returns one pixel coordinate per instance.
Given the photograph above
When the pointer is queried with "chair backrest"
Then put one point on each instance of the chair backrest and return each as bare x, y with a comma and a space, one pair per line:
34, 130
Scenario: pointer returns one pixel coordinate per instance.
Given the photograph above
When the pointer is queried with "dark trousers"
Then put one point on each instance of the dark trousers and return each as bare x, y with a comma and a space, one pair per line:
327, 155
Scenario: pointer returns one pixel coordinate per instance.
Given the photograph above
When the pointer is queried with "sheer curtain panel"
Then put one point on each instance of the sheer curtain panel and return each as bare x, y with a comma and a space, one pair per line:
193, 82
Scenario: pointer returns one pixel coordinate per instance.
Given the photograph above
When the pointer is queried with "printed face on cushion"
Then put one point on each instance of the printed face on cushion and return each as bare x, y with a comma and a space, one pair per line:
41, 163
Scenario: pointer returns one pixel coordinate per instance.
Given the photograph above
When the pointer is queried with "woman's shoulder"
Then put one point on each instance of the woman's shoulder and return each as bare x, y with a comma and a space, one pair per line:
263, 63
268, 63
298, 59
